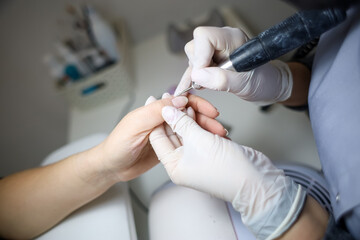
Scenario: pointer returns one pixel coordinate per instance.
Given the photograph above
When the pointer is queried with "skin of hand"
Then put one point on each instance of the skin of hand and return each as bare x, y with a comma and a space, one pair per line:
34, 200
129, 140
269, 83
215, 165
301, 82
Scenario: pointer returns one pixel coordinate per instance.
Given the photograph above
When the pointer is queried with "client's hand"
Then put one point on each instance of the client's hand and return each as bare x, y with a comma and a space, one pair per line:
54, 191
268, 201
127, 152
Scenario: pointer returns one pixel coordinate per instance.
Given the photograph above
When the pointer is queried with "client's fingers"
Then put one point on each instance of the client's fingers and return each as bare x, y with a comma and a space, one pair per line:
211, 125
171, 135
158, 137
202, 106
147, 117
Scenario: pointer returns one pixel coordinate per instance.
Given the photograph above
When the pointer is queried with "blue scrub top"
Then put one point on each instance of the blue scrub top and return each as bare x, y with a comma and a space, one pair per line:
334, 105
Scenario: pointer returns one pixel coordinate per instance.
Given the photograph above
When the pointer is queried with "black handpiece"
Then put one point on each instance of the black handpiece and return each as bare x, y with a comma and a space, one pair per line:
291, 33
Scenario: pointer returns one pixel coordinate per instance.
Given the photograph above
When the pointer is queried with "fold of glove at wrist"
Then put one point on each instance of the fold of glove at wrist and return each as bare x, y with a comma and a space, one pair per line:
273, 222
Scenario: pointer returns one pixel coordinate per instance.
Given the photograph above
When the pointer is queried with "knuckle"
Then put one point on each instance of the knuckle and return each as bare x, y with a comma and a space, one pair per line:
189, 48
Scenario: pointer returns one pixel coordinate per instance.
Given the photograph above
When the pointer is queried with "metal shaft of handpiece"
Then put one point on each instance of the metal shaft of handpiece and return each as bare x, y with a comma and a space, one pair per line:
184, 91
227, 65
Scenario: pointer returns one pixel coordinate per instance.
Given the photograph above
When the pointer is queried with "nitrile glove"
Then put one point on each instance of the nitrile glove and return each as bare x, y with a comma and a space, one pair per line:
267, 84
269, 202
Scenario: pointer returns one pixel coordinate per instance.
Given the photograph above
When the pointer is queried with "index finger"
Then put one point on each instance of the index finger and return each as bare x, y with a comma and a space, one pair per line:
146, 118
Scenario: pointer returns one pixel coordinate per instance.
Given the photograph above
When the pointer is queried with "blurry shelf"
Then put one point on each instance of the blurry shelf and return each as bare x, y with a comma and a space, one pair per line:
110, 83
115, 81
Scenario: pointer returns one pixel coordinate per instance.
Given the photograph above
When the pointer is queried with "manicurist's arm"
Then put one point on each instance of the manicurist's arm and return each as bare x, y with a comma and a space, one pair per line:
311, 224
301, 81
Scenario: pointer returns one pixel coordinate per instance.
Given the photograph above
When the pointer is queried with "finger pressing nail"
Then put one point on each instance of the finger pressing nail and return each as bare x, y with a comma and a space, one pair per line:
169, 114
190, 111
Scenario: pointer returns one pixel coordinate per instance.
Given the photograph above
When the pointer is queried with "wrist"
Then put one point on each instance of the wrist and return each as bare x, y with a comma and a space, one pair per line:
311, 223
91, 169
301, 82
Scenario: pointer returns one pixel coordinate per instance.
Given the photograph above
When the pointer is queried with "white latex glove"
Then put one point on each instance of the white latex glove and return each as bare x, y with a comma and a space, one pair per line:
265, 85
269, 202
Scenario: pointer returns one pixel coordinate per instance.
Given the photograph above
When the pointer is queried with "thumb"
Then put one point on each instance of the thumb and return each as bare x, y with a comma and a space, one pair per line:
179, 122
219, 79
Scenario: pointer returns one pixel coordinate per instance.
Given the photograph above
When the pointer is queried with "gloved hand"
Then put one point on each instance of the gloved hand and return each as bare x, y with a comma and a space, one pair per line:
269, 202
266, 84
126, 152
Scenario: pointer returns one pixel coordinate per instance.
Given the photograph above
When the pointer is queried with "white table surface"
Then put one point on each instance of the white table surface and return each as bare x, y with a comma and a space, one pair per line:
109, 216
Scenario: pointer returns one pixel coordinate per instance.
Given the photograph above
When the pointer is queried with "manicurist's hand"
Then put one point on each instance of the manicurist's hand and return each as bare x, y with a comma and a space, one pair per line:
269, 202
266, 84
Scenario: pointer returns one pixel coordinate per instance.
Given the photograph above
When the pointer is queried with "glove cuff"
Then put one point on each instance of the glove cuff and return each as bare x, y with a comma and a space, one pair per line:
286, 79
292, 215
279, 218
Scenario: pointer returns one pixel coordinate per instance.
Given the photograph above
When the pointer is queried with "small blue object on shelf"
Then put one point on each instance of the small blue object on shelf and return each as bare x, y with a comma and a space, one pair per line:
92, 89
72, 72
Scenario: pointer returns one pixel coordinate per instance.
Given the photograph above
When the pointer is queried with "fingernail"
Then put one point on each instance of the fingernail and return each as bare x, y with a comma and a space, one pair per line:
166, 95
168, 114
179, 101
227, 132
150, 100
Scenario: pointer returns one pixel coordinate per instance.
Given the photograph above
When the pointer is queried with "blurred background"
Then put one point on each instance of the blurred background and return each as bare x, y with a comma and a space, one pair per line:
34, 117
58, 82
